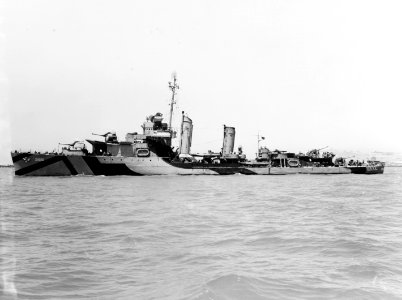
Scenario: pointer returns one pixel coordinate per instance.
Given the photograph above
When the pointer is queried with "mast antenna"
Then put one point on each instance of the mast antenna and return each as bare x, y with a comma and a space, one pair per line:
173, 87
259, 139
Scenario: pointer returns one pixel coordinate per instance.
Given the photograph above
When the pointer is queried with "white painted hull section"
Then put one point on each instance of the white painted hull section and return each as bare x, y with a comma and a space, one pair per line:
325, 170
157, 166
302, 170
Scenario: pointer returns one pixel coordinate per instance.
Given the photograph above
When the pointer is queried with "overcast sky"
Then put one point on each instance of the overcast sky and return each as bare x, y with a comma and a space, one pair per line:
304, 74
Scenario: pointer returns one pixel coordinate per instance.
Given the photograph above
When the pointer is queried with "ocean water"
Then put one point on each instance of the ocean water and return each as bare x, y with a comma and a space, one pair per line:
201, 237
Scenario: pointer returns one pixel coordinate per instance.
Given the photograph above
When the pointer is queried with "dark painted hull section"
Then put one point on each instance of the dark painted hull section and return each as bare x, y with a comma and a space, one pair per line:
377, 169
99, 168
27, 164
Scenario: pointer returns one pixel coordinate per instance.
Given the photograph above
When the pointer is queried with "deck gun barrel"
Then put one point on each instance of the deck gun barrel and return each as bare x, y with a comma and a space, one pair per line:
104, 135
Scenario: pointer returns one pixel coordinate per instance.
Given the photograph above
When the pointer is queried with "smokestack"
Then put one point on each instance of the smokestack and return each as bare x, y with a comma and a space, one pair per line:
186, 134
228, 140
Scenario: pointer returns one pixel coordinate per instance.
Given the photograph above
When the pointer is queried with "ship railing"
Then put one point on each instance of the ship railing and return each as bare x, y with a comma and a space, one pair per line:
37, 152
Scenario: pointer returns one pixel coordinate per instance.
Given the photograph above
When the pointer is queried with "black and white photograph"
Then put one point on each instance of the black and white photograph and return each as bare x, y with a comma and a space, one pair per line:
202, 150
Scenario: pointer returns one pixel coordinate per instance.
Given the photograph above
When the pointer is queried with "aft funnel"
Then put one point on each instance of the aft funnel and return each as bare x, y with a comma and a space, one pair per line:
228, 140
186, 134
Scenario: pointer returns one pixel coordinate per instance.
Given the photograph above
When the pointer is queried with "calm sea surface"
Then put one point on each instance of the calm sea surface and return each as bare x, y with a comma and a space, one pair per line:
201, 237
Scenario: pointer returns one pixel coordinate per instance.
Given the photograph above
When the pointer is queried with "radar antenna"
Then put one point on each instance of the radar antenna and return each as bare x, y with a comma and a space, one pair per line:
259, 139
173, 87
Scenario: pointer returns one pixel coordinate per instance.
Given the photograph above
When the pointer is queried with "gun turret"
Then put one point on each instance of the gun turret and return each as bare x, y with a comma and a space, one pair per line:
110, 137
72, 144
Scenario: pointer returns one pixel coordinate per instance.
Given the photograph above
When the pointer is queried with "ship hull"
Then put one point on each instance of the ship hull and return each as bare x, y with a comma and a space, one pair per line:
33, 164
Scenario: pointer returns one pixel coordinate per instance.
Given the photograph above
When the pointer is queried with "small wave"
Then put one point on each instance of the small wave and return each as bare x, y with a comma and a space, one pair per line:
233, 287
227, 242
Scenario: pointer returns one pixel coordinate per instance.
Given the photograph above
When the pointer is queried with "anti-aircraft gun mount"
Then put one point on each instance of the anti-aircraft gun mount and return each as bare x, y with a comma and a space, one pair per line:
315, 153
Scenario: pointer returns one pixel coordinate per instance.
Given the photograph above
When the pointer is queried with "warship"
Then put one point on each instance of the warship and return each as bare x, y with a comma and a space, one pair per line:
151, 153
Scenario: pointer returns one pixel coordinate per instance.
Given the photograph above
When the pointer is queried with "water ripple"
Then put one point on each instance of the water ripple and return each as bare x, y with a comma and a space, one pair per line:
201, 237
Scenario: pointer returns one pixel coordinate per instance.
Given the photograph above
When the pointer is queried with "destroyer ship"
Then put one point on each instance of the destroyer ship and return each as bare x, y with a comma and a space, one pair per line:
151, 153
